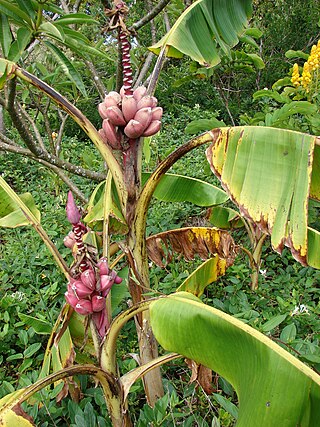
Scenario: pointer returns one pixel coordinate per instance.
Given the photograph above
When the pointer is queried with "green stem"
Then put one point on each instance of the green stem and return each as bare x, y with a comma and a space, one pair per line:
25, 393
144, 199
108, 350
39, 17
107, 208
132, 376
257, 259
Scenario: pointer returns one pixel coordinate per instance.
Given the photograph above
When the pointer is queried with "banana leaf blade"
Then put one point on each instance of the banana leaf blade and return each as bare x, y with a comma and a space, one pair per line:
267, 172
11, 215
179, 188
204, 27
273, 387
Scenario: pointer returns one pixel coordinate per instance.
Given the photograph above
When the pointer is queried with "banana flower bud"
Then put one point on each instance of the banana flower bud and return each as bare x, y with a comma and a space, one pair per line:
73, 213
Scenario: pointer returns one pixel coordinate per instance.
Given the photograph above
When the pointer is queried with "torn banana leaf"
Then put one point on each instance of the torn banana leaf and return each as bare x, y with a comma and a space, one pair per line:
189, 242
270, 174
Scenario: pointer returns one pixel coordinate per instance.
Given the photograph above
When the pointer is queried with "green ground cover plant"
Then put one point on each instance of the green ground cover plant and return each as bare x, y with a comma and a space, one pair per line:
159, 259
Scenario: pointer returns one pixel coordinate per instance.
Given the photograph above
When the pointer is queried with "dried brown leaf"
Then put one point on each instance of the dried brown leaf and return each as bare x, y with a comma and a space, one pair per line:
189, 242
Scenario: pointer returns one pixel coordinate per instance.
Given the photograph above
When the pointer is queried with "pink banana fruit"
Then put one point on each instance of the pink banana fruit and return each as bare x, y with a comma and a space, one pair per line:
88, 278
102, 108
153, 128
114, 114
129, 107
79, 289
113, 137
71, 298
112, 99
98, 303
156, 113
103, 266
139, 93
69, 241
146, 101
144, 117
134, 129
83, 307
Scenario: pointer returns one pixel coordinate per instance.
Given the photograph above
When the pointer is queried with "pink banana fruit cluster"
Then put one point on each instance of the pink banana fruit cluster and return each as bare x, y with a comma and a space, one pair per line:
87, 293
134, 116
89, 283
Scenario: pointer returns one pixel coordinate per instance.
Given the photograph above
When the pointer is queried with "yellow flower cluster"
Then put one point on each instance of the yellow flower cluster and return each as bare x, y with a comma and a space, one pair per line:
306, 76
295, 79
310, 68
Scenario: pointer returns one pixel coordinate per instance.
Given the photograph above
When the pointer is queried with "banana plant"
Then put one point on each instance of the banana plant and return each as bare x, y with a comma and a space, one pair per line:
127, 116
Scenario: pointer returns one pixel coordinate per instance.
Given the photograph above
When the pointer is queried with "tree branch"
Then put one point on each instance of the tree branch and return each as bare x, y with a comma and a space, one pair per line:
75, 190
156, 71
96, 80
154, 12
8, 145
21, 126
140, 75
76, 6
57, 143
50, 159
34, 127
145, 68
166, 22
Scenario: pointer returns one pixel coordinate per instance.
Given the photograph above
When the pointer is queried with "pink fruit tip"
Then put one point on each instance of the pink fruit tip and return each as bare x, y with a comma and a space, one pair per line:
73, 213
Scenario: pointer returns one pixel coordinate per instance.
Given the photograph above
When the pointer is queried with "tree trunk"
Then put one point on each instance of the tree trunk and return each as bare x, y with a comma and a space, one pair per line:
2, 127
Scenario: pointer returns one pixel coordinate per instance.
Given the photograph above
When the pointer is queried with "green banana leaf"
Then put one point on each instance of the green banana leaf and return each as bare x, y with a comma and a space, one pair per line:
268, 172
225, 218
172, 188
95, 211
179, 188
67, 67
204, 28
204, 275
201, 125
11, 214
273, 387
